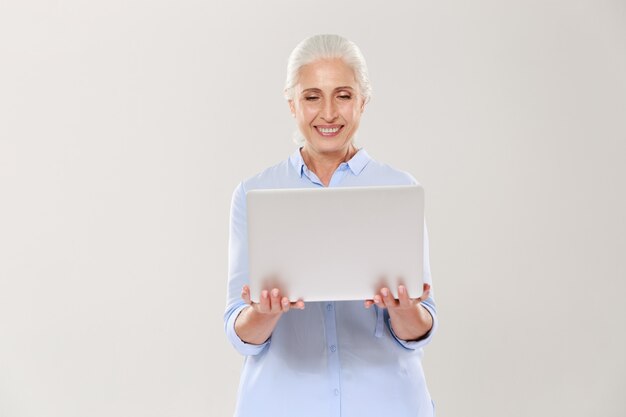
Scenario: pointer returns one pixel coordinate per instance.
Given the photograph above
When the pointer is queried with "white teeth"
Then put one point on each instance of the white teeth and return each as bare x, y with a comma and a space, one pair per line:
328, 130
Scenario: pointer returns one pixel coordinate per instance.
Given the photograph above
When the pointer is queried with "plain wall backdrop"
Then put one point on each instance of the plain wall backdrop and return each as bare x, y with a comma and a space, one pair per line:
126, 125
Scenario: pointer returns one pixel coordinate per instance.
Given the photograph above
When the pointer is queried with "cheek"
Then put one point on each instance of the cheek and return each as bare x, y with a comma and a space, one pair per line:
353, 115
351, 112
307, 115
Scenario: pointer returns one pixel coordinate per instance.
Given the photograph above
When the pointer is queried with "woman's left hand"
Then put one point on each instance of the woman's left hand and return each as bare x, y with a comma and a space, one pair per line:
409, 319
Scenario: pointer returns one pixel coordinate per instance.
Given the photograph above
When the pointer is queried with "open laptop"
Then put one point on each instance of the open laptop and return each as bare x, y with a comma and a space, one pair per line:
326, 244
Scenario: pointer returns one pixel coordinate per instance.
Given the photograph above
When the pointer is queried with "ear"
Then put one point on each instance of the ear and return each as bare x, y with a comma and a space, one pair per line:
292, 108
363, 103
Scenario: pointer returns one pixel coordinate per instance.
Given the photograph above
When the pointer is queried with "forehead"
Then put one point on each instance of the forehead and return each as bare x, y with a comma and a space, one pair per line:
326, 74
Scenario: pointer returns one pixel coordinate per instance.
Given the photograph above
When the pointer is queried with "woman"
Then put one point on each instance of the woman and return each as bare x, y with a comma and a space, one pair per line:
347, 358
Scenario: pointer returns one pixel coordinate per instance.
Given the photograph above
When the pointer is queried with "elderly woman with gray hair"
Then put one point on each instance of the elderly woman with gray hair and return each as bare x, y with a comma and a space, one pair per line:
342, 358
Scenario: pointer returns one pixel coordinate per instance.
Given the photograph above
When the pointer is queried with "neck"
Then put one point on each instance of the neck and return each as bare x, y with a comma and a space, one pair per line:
323, 164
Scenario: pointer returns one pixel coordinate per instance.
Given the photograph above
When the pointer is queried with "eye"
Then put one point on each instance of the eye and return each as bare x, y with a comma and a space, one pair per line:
311, 98
344, 96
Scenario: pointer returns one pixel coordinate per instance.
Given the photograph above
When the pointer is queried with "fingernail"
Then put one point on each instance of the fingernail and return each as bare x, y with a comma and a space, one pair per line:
384, 292
264, 294
401, 289
275, 292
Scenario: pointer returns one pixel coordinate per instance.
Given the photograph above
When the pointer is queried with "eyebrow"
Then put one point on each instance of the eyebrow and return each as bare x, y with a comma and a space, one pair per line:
314, 89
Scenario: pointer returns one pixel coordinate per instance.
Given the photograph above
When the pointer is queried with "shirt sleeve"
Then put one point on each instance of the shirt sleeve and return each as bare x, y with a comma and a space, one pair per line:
238, 272
428, 304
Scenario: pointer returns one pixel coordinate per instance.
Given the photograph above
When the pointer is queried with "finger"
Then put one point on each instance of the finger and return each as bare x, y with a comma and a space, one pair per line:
378, 300
388, 298
403, 297
298, 304
425, 293
285, 304
368, 303
245, 295
275, 301
264, 302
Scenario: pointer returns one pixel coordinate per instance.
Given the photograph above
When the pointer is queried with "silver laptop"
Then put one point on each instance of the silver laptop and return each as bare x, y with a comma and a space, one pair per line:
325, 244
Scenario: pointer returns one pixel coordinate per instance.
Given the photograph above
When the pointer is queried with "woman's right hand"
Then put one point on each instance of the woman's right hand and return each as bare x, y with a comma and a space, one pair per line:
256, 323
271, 302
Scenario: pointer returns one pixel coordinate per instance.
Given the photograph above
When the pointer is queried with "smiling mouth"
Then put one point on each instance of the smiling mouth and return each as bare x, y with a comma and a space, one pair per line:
329, 131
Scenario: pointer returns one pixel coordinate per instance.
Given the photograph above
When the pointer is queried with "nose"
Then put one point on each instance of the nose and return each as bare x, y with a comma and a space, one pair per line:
329, 111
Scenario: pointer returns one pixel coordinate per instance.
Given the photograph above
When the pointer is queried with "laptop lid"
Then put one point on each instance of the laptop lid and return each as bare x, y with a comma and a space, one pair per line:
325, 244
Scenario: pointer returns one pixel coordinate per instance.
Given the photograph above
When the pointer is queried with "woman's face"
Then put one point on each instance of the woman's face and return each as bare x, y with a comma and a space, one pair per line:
327, 105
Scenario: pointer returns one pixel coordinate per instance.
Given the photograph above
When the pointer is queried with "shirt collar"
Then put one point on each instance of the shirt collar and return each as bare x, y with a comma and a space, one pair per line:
356, 163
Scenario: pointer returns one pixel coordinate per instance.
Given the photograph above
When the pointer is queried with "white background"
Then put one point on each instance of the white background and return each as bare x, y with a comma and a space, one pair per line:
126, 124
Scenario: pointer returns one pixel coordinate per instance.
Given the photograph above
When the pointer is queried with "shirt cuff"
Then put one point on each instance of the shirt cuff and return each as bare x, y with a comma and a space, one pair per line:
242, 347
420, 343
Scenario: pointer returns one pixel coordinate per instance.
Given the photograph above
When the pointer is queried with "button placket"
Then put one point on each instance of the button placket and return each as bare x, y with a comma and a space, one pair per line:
334, 367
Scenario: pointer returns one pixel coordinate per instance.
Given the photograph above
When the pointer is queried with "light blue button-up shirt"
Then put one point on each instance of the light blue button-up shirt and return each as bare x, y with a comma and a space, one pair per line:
331, 359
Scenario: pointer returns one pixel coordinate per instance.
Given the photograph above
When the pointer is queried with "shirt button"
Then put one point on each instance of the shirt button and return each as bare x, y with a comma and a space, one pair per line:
336, 392
333, 348
329, 307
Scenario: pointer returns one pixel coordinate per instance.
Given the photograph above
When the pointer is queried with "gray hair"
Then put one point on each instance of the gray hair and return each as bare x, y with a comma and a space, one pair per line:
327, 47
